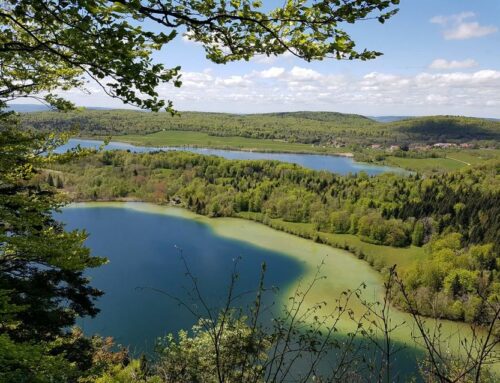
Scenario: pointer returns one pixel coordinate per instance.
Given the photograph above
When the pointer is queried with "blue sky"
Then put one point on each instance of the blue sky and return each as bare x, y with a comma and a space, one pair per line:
440, 57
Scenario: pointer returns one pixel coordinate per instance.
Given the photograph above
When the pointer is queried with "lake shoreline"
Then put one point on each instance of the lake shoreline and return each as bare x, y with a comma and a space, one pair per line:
183, 212
353, 271
317, 239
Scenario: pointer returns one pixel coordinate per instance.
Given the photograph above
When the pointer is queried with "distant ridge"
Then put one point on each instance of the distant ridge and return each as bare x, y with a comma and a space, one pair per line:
447, 128
400, 118
30, 108
318, 128
317, 116
310, 115
27, 108
389, 118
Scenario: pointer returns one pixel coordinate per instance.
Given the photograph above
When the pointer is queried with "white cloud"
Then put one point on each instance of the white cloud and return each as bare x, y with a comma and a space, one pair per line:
272, 72
198, 80
303, 74
232, 81
460, 27
468, 31
437, 99
376, 81
196, 76
455, 19
304, 88
482, 78
486, 75
453, 64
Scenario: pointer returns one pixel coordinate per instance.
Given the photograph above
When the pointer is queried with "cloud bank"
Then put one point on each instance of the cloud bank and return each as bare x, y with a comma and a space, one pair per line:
462, 26
303, 88
445, 89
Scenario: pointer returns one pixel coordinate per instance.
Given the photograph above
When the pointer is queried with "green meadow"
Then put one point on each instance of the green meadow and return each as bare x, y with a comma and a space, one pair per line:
448, 160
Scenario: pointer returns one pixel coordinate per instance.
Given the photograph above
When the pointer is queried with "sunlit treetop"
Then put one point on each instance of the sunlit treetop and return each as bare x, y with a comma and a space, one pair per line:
51, 45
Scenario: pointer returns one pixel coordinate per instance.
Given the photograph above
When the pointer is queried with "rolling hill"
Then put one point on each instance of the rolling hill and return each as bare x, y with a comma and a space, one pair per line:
323, 128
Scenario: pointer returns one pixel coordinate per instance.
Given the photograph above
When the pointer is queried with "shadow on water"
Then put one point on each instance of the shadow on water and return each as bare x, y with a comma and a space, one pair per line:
144, 256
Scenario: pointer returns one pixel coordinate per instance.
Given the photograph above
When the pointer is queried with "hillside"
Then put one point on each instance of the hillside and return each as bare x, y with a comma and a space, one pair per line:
448, 128
335, 117
389, 118
325, 128
304, 127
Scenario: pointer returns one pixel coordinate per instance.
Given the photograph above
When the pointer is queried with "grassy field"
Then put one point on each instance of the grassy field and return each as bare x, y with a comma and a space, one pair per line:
450, 160
425, 164
473, 156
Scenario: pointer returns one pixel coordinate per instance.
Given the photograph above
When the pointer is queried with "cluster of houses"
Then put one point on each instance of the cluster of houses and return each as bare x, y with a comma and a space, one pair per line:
416, 147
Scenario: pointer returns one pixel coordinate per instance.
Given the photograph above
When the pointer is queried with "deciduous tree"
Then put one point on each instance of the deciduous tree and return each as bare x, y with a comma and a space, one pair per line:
49, 45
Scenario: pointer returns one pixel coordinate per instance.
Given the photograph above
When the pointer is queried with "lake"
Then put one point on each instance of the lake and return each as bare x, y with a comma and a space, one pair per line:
143, 243
334, 164
144, 252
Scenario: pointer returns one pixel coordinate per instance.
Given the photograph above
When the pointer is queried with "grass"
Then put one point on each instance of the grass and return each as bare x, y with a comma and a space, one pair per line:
377, 255
199, 139
450, 160
425, 164
474, 156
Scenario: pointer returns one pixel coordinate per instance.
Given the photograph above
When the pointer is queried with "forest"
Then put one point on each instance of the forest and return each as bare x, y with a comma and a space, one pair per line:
455, 217
320, 128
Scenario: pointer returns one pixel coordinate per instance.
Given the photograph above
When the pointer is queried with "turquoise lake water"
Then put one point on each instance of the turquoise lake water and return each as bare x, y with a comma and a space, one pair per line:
144, 256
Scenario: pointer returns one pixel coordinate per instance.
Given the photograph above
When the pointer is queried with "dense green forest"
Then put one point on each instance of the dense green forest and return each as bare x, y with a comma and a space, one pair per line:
325, 128
455, 216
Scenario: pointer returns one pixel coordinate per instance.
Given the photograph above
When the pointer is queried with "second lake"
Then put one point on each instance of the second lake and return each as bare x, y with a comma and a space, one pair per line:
333, 164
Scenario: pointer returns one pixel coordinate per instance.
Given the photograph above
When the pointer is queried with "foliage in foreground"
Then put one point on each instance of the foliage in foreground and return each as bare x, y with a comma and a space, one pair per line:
42, 286
234, 345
